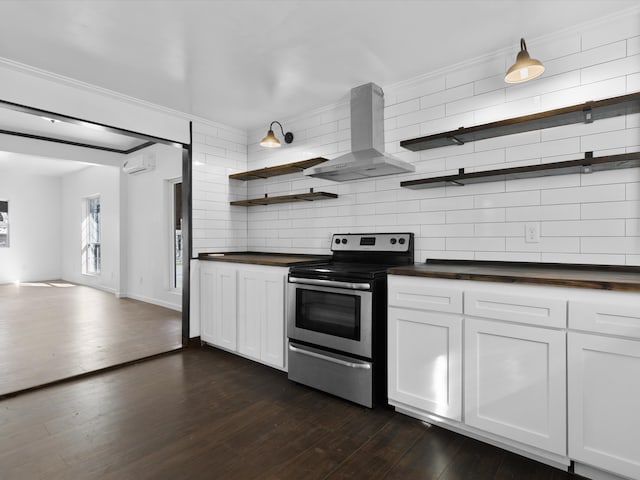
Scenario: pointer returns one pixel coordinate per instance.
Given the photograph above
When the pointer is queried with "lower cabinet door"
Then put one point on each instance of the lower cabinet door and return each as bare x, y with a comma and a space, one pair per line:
218, 305
425, 361
261, 331
604, 398
515, 377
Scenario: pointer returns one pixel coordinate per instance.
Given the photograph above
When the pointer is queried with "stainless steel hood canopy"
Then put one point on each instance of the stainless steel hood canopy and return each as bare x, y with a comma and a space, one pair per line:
367, 157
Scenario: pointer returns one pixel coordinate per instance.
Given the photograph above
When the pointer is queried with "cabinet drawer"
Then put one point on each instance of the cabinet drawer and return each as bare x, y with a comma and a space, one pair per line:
613, 315
424, 294
515, 307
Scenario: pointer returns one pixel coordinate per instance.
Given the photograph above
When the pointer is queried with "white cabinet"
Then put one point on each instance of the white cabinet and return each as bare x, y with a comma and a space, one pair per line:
242, 309
425, 361
515, 382
218, 304
261, 327
603, 381
425, 346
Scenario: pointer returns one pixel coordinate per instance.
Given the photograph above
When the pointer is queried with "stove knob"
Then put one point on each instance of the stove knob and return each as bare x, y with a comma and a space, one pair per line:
337, 240
402, 241
344, 240
393, 241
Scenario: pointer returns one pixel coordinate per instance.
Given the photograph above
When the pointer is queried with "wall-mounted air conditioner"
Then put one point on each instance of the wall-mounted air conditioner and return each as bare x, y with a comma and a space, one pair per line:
139, 163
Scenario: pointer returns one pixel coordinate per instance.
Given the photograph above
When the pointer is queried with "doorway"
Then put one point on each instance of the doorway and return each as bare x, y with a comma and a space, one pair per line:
76, 302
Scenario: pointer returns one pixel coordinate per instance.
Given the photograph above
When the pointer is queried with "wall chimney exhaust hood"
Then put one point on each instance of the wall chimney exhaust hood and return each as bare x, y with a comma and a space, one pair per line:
367, 157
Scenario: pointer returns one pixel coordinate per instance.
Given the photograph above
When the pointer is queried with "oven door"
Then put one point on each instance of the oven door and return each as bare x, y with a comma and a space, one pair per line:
330, 314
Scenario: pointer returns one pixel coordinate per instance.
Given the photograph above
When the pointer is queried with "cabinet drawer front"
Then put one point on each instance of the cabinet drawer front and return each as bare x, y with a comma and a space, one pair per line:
529, 309
424, 294
619, 316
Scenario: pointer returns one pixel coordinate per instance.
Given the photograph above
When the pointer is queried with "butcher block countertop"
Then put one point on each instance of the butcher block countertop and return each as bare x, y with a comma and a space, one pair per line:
602, 277
261, 258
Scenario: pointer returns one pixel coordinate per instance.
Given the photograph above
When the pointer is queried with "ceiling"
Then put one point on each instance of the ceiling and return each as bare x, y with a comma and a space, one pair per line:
247, 62
35, 165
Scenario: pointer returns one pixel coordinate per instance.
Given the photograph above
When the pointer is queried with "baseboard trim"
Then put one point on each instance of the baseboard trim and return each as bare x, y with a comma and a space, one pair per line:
153, 301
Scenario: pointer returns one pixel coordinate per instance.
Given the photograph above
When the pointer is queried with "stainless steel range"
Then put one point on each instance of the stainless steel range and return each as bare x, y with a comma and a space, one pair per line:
337, 316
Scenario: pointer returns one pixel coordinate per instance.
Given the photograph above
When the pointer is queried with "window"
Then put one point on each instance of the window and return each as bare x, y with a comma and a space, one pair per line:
91, 255
176, 234
4, 223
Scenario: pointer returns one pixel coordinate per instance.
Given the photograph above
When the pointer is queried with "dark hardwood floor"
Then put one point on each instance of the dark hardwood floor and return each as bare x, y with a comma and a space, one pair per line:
207, 414
55, 330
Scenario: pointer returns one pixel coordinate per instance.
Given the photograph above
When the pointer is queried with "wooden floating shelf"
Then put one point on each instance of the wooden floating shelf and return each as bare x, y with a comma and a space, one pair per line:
585, 112
284, 169
297, 197
585, 165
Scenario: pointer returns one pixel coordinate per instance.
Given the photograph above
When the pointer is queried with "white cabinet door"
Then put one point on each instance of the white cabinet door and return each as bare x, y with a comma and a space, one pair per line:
425, 360
514, 385
261, 320
224, 306
604, 397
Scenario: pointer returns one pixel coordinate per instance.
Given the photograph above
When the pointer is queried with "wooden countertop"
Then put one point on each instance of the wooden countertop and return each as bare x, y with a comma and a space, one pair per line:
262, 258
602, 277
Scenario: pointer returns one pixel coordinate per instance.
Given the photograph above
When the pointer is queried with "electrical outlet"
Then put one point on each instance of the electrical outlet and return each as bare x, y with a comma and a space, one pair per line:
532, 233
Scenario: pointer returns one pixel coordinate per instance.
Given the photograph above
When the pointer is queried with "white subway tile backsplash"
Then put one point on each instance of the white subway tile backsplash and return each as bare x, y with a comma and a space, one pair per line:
555, 212
619, 245
626, 209
446, 96
402, 108
544, 149
632, 227
421, 88
583, 228
517, 139
480, 215
510, 199
474, 103
604, 193
632, 191
611, 176
574, 96
473, 159
586, 58
421, 116
549, 244
447, 230
487, 244
509, 229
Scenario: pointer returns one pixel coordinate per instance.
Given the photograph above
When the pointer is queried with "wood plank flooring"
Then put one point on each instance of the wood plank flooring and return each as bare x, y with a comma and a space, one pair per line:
55, 330
207, 414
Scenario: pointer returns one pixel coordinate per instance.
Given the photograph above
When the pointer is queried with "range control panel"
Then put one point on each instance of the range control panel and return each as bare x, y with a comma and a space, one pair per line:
371, 242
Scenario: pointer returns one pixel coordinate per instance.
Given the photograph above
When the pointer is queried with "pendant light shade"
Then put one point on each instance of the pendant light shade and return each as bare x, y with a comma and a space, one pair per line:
525, 68
271, 141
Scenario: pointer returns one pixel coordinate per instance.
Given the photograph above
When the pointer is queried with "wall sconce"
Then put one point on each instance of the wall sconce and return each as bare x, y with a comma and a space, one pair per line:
271, 141
525, 68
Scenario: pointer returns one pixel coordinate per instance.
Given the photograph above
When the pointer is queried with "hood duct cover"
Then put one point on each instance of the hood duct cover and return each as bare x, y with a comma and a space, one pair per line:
367, 157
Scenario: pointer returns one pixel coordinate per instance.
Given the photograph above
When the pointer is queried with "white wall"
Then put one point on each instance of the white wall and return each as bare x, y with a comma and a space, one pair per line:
592, 218
35, 227
103, 181
148, 229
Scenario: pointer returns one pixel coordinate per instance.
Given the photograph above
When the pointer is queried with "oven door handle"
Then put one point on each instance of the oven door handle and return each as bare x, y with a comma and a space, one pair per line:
363, 365
330, 283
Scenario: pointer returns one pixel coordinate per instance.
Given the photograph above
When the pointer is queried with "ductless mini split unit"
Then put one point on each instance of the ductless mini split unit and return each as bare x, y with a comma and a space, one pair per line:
139, 163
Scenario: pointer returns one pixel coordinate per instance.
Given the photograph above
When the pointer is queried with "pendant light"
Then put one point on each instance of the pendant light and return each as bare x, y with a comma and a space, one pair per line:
525, 68
271, 141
